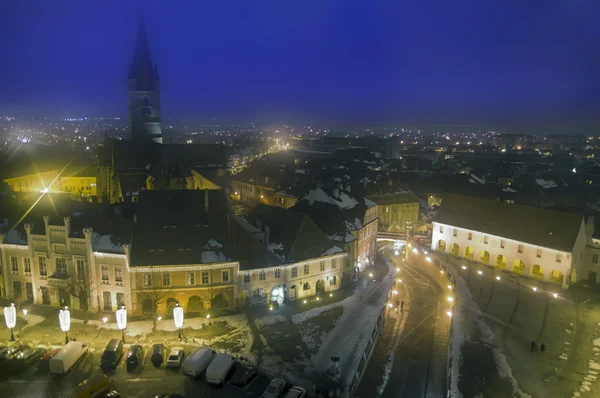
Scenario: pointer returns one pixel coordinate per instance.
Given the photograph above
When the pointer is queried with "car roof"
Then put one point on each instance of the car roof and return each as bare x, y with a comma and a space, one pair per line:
278, 381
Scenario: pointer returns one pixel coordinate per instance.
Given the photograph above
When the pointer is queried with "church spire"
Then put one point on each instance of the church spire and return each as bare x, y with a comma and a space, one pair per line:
142, 68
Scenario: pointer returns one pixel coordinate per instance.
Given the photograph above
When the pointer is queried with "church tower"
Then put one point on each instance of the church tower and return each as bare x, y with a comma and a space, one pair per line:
144, 93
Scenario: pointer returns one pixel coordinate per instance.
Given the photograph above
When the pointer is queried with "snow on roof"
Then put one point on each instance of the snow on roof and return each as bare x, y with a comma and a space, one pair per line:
104, 243
479, 180
275, 248
211, 256
507, 189
14, 237
546, 183
318, 195
332, 250
345, 201
370, 203
358, 223
213, 244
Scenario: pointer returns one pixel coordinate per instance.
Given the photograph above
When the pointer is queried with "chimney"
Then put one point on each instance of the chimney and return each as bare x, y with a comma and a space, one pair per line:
267, 234
206, 200
336, 192
348, 187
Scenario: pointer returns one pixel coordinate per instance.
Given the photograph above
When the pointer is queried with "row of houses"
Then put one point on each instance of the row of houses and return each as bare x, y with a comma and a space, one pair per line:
187, 246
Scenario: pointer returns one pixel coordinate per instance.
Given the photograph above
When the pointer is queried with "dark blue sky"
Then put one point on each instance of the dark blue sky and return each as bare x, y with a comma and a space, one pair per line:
433, 61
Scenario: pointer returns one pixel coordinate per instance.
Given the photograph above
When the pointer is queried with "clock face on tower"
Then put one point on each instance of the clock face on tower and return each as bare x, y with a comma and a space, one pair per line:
145, 111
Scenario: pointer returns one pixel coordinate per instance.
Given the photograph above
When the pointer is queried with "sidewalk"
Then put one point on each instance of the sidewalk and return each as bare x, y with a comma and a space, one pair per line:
508, 313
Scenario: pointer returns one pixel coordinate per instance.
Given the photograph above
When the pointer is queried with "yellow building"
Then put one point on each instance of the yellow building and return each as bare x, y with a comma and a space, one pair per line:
397, 211
73, 180
35, 182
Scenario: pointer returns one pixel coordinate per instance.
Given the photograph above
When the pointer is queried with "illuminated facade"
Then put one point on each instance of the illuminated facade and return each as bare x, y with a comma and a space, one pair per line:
396, 211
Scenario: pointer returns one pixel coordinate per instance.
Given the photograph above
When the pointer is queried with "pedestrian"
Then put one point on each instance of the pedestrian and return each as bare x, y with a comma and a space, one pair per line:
402, 306
543, 348
532, 346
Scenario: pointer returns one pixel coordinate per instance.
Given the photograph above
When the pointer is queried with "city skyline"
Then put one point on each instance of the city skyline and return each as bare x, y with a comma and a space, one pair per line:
340, 63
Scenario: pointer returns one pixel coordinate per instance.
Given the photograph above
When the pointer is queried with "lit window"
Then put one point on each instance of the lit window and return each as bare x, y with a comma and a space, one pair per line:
27, 265
166, 279
306, 269
538, 253
294, 272
262, 275
277, 273
322, 265
191, 279
306, 286
558, 257
14, 265
470, 236
334, 263
246, 278
147, 280
455, 233
441, 229
61, 266
43, 268
520, 248
485, 240
204, 277
225, 275
80, 270
104, 268
502, 244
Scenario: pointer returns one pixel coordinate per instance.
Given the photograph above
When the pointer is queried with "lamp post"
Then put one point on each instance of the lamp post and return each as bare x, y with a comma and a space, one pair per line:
208, 317
178, 318
10, 315
64, 316
122, 321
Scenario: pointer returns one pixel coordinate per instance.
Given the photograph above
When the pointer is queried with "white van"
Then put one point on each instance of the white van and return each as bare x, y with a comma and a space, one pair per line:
66, 358
219, 368
198, 361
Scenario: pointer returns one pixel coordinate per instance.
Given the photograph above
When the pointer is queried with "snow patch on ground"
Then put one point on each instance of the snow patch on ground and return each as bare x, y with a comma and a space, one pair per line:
269, 320
306, 315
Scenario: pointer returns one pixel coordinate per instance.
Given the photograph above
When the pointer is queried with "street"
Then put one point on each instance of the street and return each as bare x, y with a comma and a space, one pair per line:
410, 358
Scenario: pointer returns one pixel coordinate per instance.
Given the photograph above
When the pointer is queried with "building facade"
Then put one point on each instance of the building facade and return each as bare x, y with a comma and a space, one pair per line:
396, 211
536, 243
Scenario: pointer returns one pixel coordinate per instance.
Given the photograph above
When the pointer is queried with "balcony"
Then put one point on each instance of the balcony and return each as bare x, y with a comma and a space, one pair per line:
58, 280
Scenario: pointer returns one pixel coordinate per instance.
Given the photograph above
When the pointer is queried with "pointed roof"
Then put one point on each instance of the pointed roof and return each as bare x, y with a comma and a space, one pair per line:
142, 68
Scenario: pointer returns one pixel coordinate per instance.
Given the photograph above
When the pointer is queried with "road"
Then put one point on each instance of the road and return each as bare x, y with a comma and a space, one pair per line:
410, 357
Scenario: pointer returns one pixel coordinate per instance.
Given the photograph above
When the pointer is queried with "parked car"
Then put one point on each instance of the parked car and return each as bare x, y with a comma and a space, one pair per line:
92, 387
296, 392
243, 375
198, 361
44, 363
175, 357
134, 357
62, 362
29, 357
112, 354
158, 353
219, 368
274, 389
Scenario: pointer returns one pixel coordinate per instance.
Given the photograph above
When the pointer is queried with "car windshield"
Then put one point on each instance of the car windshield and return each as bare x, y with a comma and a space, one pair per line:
173, 357
271, 389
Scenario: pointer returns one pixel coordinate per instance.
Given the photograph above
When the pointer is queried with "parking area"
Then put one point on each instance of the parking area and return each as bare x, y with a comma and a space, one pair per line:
145, 380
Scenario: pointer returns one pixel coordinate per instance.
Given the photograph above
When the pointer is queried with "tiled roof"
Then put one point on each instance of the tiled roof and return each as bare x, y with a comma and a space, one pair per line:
539, 227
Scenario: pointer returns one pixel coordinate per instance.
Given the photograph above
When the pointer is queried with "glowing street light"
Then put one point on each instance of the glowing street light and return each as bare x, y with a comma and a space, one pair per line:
208, 317
450, 299
122, 321
105, 319
450, 287
25, 311
397, 269
396, 252
390, 305
10, 315
480, 272
555, 295
498, 278
399, 280
178, 317
370, 274
428, 259
449, 313
464, 267
535, 289
395, 292
64, 317
415, 251
330, 294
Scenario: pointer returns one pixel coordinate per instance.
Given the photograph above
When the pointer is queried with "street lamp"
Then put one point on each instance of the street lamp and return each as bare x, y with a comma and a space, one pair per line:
178, 318
122, 321
64, 316
10, 315
208, 315
25, 311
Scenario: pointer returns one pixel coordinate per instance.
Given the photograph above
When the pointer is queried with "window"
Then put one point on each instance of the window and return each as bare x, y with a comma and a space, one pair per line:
225, 276
322, 266
594, 259
485, 240
43, 268
306, 269
262, 275
166, 279
120, 299
502, 244
147, 280
520, 248
27, 265
441, 229
470, 236
538, 253
14, 265
107, 301
334, 263
306, 286
104, 272
246, 278
277, 273
204, 277
558, 257
294, 272
455, 233
118, 273
191, 279
61, 266
80, 270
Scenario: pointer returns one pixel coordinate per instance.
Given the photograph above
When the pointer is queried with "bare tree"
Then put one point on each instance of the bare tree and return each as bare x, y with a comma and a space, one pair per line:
156, 298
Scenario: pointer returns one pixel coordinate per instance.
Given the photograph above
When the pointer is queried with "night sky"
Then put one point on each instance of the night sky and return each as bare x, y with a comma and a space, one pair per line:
426, 61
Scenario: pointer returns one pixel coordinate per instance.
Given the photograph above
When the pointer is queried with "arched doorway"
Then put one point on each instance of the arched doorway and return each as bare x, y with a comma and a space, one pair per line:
518, 267
484, 257
219, 301
293, 293
195, 304
277, 294
469, 253
46, 296
537, 272
170, 305
441, 245
501, 261
455, 250
558, 277
147, 306
320, 287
